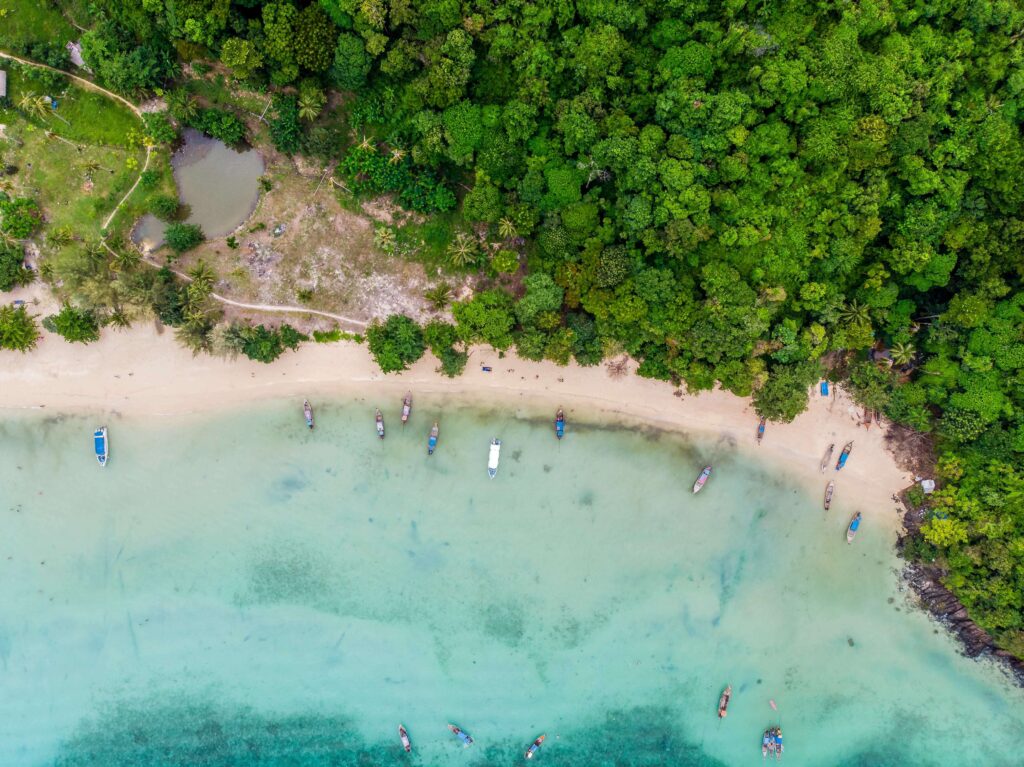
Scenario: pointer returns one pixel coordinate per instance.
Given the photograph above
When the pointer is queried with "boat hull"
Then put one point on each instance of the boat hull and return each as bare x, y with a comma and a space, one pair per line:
101, 445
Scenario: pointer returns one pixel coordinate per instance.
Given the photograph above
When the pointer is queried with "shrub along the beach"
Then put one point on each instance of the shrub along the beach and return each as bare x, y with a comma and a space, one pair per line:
260, 343
74, 324
395, 343
18, 329
20, 217
443, 340
13, 272
182, 237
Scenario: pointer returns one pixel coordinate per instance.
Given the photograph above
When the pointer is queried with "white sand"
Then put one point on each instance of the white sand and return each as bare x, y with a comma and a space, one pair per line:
141, 371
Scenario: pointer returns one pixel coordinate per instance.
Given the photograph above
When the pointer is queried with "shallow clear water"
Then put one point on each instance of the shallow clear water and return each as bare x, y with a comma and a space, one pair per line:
235, 590
218, 184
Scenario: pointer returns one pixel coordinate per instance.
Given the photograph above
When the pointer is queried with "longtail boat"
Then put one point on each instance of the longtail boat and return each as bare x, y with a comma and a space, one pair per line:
829, 489
827, 458
760, 430
463, 736
380, 424
851, 531
560, 424
723, 702
868, 417
404, 737
844, 455
101, 445
406, 408
703, 478
307, 410
878, 418
534, 747
432, 439
493, 457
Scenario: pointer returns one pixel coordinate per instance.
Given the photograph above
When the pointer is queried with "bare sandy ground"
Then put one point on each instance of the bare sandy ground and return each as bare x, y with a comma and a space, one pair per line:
144, 372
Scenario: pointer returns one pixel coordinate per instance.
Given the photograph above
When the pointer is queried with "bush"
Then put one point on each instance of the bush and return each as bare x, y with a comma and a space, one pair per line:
158, 128
76, 325
396, 343
182, 237
19, 217
284, 128
13, 272
220, 124
18, 330
264, 344
442, 338
165, 207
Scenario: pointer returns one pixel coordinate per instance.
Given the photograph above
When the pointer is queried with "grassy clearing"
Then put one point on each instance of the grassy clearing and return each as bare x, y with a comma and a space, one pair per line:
24, 23
81, 115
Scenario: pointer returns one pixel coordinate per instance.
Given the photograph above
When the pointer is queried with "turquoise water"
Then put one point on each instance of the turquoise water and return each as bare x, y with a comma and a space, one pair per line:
235, 590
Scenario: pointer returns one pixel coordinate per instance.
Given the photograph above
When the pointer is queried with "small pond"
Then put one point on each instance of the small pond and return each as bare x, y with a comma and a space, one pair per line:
217, 183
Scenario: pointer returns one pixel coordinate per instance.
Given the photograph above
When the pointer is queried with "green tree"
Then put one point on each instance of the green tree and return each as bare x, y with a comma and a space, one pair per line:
182, 237
486, 318
20, 217
784, 395
315, 38
13, 272
74, 324
18, 329
395, 343
241, 56
351, 63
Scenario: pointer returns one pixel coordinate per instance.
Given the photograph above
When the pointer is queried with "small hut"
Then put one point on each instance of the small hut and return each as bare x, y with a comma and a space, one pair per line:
3, 84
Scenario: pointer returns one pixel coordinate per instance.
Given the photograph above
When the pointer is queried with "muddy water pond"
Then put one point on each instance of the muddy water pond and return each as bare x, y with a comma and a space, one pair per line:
218, 184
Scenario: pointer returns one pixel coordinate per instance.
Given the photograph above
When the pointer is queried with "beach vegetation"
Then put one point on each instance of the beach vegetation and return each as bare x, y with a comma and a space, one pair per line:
395, 343
260, 343
76, 325
444, 342
18, 329
20, 217
13, 272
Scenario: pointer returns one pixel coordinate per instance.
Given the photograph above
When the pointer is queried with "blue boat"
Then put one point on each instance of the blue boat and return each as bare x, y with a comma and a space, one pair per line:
560, 424
851, 531
463, 736
432, 439
99, 438
844, 455
307, 410
824, 388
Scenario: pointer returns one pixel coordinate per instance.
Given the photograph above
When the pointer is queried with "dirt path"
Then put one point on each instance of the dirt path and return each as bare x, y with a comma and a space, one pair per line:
149, 152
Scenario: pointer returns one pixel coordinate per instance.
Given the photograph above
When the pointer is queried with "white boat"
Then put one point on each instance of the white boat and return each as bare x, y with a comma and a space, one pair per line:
699, 484
102, 447
492, 459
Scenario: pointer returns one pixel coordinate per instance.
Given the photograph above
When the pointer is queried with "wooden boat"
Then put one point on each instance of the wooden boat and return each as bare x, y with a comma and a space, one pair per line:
406, 408
723, 702
534, 747
493, 457
827, 458
463, 736
404, 737
702, 479
101, 445
760, 430
878, 418
307, 410
560, 424
432, 439
867, 418
829, 489
844, 455
380, 424
851, 531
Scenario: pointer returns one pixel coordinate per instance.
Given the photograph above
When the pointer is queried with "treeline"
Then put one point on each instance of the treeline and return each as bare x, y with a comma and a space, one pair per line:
741, 193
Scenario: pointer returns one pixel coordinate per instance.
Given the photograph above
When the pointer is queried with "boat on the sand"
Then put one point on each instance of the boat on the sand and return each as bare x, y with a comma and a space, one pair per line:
493, 457
307, 410
463, 736
827, 458
380, 424
851, 531
534, 747
844, 455
404, 736
560, 424
101, 445
432, 439
829, 489
702, 479
406, 408
723, 702
760, 430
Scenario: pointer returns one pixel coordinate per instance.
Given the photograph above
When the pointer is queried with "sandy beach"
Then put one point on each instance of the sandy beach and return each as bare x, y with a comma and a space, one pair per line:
143, 371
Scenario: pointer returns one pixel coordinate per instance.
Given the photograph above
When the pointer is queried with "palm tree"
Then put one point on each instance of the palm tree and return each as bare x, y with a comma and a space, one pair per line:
310, 104
203, 277
60, 236
397, 155
902, 354
33, 105
384, 238
366, 143
856, 314
507, 228
126, 259
439, 295
183, 105
462, 251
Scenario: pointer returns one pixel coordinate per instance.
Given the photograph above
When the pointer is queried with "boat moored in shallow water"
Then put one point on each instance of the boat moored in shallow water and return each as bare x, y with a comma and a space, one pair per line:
432, 439
463, 736
101, 445
827, 458
844, 455
406, 408
380, 424
307, 410
404, 737
560, 423
851, 531
534, 747
702, 479
829, 489
493, 457
723, 702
